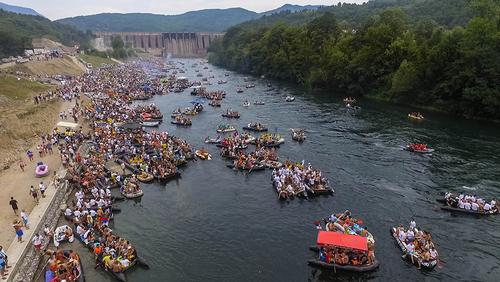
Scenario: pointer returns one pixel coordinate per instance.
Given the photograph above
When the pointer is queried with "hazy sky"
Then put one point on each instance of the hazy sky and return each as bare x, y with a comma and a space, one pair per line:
56, 9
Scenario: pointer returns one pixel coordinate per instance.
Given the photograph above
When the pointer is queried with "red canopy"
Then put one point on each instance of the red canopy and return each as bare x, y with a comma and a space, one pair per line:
342, 240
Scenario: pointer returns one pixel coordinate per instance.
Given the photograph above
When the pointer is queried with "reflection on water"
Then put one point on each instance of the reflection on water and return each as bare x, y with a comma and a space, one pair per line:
215, 224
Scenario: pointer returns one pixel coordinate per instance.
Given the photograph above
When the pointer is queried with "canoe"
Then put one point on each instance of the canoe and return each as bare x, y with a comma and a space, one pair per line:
230, 129
426, 264
203, 156
59, 235
351, 268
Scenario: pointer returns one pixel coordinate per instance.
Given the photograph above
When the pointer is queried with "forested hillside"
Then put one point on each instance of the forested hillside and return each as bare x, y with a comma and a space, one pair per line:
212, 20
17, 31
388, 55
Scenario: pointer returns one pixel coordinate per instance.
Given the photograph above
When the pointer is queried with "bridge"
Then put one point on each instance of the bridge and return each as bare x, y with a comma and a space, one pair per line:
176, 44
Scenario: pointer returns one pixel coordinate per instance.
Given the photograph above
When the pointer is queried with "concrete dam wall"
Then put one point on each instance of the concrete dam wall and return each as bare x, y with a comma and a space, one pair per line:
176, 44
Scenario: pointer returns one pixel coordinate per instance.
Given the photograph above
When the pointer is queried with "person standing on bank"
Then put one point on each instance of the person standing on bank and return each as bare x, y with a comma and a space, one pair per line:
18, 227
13, 204
34, 193
42, 189
24, 217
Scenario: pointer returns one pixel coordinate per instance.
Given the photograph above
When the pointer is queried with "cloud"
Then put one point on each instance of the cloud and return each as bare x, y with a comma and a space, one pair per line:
56, 9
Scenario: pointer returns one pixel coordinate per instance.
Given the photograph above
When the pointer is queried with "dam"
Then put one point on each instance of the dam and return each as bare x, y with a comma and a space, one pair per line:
175, 44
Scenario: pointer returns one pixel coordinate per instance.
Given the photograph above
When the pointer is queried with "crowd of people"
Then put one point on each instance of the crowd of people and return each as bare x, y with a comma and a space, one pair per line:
417, 243
294, 179
471, 202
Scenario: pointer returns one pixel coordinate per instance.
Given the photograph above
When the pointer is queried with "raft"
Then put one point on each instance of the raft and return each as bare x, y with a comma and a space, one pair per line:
41, 170
351, 268
145, 177
427, 264
254, 168
134, 195
203, 156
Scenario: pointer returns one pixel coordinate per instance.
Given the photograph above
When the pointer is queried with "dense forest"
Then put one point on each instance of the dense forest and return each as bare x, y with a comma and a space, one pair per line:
17, 32
212, 20
388, 55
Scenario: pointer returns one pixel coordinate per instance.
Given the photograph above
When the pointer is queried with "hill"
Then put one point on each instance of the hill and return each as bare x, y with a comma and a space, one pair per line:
445, 58
211, 20
291, 8
18, 31
18, 10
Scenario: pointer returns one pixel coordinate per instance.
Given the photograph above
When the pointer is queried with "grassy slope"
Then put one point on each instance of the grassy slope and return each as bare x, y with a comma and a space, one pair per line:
96, 61
21, 89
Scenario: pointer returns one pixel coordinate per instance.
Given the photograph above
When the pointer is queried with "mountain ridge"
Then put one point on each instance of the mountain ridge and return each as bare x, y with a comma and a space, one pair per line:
19, 9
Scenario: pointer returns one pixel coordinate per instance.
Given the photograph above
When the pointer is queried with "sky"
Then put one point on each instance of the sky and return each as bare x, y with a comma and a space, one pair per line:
57, 9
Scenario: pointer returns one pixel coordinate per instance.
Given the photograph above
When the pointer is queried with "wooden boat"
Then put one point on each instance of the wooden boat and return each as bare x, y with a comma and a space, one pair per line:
452, 209
203, 155
255, 127
150, 123
256, 167
133, 195
229, 114
51, 276
209, 140
145, 177
426, 264
182, 123
320, 190
168, 177
224, 129
339, 240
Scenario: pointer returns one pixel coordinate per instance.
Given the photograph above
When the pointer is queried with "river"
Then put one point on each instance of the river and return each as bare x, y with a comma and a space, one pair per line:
215, 224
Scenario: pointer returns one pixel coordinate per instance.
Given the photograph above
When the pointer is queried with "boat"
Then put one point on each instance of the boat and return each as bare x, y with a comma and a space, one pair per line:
290, 98
182, 122
41, 170
259, 103
150, 123
349, 100
204, 155
209, 140
168, 177
451, 205
131, 190
231, 114
145, 177
221, 82
419, 148
298, 135
328, 241
215, 103
417, 260
225, 128
250, 85
257, 127
416, 116
63, 233
272, 164
246, 104
239, 90
53, 276
255, 167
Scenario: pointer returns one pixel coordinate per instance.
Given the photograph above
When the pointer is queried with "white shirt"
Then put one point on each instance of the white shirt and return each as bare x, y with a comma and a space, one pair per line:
475, 206
37, 240
24, 216
487, 207
467, 206
413, 224
68, 212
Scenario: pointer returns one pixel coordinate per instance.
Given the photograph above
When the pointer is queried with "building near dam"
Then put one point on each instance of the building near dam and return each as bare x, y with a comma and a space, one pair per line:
176, 44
